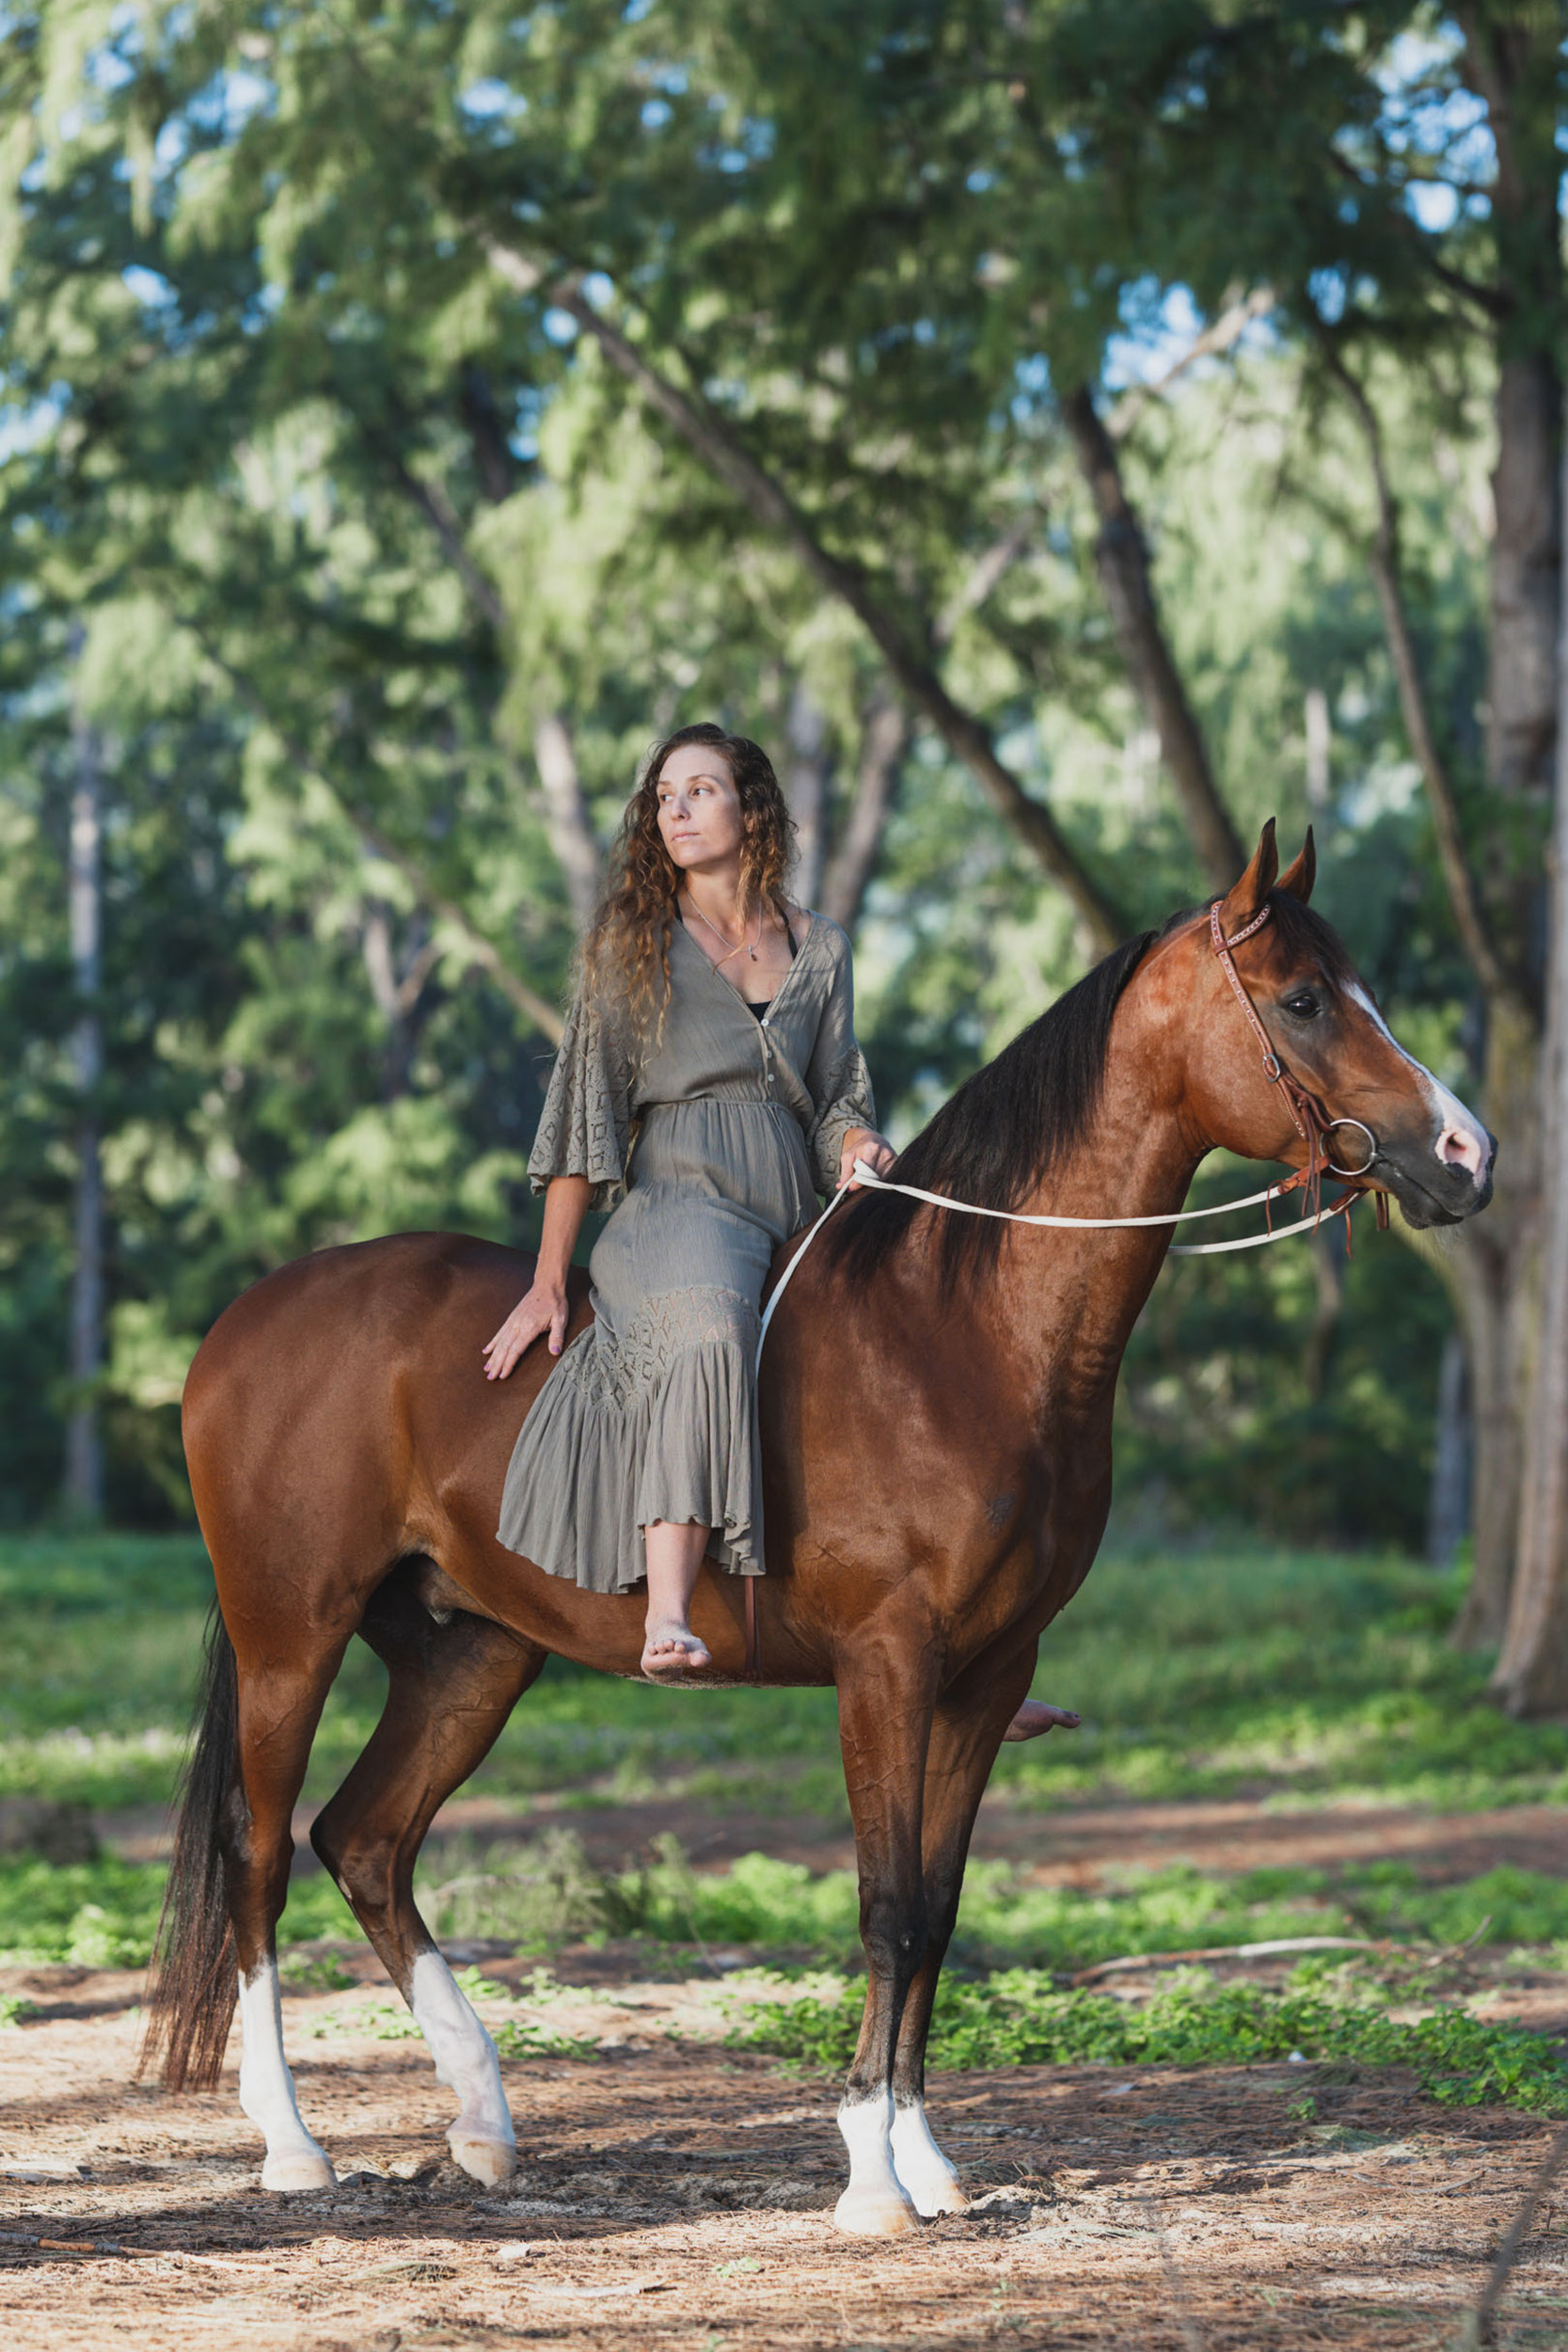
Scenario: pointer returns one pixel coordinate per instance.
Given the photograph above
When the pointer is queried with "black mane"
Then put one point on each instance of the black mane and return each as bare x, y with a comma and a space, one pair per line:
993, 1142
995, 1139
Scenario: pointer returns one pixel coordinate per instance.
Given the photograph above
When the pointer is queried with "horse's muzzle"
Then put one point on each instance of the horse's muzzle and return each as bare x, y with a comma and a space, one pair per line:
1429, 1190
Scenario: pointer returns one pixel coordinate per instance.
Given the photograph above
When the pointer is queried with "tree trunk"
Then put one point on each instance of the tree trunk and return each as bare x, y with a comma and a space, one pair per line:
805, 786
1511, 57
1121, 555
1532, 1672
884, 741
567, 814
1448, 1506
1492, 1272
82, 1491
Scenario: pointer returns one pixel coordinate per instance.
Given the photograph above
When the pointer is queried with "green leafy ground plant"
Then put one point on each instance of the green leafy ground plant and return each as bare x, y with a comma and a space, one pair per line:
1021, 2018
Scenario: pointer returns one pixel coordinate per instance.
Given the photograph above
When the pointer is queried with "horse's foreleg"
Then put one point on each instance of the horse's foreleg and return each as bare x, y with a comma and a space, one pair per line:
278, 1712
884, 1720
966, 1733
451, 1689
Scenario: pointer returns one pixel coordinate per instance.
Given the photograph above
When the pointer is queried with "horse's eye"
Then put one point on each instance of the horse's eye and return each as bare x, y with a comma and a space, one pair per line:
1303, 1004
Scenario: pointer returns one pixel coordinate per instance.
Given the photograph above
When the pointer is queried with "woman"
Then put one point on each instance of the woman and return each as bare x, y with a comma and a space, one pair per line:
716, 1019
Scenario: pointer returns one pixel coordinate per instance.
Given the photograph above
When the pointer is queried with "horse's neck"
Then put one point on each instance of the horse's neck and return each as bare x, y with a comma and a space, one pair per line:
1068, 1302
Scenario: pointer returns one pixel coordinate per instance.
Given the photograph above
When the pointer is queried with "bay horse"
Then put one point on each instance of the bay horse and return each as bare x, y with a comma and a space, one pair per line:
936, 1411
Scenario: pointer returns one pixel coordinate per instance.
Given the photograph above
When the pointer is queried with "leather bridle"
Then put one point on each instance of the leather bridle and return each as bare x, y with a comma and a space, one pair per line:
1306, 1115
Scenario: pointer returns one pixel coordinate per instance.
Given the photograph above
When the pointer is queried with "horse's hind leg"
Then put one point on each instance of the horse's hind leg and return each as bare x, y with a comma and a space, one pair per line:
279, 1707
451, 1687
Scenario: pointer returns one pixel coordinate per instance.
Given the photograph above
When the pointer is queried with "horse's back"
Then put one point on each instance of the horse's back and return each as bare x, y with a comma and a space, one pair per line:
301, 1401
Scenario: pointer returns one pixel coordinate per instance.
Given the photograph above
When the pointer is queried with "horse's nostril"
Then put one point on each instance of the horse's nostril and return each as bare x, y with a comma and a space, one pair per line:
1460, 1147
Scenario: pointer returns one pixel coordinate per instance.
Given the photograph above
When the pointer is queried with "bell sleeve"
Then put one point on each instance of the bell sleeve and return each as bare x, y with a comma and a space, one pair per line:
836, 1077
586, 1126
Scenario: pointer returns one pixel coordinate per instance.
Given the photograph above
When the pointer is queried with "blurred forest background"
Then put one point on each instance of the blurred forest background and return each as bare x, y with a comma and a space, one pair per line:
1067, 436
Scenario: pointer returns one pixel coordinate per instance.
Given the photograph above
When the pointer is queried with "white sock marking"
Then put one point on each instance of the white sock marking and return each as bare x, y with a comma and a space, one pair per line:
874, 2204
482, 2137
923, 2171
294, 2160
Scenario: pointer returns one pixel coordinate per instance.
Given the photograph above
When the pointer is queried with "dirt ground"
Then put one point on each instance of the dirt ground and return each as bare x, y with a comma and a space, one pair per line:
676, 2194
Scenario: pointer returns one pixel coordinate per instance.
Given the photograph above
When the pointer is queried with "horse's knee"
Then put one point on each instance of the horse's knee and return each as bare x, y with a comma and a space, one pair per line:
896, 1935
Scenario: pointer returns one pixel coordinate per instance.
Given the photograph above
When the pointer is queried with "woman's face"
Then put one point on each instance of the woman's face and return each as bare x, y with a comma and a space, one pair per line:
699, 808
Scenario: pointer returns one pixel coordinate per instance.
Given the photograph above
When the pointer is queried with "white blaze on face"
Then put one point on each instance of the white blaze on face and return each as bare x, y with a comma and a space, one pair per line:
1461, 1140
293, 2161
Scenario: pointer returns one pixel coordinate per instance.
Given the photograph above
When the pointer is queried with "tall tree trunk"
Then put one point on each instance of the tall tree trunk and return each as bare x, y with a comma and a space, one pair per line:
1511, 59
1532, 1672
566, 815
1121, 555
83, 1492
1448, 1503
884, 741
806, 785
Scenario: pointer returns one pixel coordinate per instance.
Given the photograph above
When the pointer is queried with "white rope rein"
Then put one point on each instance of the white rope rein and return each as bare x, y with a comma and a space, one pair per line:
869, 1176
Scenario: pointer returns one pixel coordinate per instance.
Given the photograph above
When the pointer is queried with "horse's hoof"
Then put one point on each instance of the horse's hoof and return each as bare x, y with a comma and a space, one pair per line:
871, 2213
931, 2198
490, 2161
295, 2171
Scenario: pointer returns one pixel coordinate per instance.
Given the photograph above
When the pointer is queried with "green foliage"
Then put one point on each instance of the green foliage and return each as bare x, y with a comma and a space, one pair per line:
1019, 2018
314, 516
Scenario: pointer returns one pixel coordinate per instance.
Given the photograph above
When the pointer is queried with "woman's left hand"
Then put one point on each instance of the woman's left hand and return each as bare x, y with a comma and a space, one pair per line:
863, 1143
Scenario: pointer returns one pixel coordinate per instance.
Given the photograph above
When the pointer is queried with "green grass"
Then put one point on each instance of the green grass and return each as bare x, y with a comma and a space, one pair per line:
1290, 1676
1019, 2018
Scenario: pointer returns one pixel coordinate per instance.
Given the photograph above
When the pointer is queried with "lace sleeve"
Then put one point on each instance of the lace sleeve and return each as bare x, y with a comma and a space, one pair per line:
837, 1079
586, 1126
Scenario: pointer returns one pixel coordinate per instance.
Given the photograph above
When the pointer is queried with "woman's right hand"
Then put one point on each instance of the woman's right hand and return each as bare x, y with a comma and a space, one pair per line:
543, 1308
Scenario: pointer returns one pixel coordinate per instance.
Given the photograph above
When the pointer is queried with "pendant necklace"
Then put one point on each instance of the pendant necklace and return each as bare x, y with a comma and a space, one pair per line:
750, 946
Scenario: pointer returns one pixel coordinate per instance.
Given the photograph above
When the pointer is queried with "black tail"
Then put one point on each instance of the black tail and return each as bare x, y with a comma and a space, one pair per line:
194, 1980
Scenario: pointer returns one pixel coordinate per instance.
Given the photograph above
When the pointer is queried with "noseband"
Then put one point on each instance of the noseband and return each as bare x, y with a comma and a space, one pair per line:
1307, 1119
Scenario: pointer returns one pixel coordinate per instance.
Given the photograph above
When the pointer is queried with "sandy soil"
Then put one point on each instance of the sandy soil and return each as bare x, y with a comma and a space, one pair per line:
678, 2195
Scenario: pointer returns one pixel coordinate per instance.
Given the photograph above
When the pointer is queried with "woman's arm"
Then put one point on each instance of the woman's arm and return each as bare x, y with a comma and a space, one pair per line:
543, 1308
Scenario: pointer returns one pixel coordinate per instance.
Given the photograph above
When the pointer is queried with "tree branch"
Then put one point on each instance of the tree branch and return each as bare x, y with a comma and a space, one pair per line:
714, 443
884, 741
1227, 329
1121, 557
1382, 557
481, 952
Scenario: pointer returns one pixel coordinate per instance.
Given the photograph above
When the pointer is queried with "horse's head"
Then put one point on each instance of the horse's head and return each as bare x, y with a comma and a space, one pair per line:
1389, 1122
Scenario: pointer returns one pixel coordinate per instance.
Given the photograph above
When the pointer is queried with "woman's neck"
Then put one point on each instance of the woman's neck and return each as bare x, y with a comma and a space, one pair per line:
716, 893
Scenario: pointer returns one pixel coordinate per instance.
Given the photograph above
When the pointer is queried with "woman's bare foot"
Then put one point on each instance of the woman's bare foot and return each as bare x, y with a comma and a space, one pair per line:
671, 1648
1035, 1718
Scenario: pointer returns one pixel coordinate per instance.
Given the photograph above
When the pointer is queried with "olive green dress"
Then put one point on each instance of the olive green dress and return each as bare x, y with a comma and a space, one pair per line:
715, 1150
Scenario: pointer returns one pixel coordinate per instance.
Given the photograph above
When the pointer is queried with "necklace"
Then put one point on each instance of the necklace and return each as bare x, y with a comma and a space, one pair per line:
750, 945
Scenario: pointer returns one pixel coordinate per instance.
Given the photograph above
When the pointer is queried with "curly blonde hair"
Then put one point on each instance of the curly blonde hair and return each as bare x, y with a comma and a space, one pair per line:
626, 955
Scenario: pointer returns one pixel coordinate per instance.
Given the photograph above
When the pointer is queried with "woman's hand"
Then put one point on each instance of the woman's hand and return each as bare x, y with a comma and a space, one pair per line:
863, 1143
543, 1308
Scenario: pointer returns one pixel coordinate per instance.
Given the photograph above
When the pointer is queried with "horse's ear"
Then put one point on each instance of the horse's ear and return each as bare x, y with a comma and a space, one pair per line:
1301, 873
1242, 903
